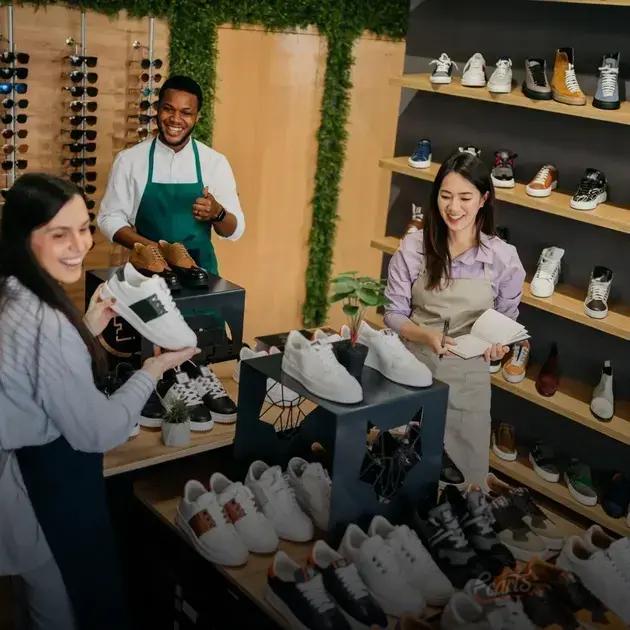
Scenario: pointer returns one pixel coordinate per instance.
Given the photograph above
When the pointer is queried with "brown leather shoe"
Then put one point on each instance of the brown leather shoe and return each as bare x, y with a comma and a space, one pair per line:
564, 84
549, 375
183, 264
148, 260
504, 442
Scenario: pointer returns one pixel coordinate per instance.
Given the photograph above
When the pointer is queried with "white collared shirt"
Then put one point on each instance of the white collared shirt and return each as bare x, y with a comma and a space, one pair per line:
130, 170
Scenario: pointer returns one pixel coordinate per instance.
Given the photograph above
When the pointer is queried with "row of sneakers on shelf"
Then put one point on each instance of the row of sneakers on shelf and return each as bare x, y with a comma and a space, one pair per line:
315, 365
591, 190
231, 519
564, 86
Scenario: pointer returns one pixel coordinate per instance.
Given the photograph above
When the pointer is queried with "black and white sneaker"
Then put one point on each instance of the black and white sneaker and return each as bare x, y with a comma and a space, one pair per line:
591, 191
298, 594
152, 413
450, 474
177, 385
596, 302
446, 542
342, 581
211, 392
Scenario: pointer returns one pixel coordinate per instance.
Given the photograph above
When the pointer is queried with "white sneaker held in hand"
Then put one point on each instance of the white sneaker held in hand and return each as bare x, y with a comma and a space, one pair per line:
312, 487
147, 305
204, 523
237, 501
545, 279
277, 501
474, 74
315, 366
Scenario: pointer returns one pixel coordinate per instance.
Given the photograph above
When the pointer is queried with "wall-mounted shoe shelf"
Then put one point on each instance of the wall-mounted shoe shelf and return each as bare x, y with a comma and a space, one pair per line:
521, 472
605, 215
516, 98
566, 302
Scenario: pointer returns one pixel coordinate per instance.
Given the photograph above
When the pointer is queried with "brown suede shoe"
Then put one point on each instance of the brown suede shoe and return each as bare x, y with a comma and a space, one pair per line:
187, 270
549, 376
564, 84
504, 442
148, 260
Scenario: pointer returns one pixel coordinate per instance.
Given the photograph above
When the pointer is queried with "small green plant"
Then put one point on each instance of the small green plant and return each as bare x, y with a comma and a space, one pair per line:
357, 294
177, 414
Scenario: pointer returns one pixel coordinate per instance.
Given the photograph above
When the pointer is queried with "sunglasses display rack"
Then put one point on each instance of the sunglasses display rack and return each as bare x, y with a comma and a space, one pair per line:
13, 72
149, 76
79, 135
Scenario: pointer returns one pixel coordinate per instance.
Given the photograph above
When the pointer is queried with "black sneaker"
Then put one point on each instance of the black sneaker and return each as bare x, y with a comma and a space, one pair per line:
544, 462
591, 191
502, 174
346, 587
152, 413
616, 495
298, 594
475, 517
177, 385
450, 474
596, 302
445, 540
212, 392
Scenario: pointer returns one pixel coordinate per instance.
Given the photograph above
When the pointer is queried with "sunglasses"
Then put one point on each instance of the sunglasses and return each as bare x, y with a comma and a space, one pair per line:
11, 148
78, 134
77, 106
77, 147
90, 203
145, 119
76, 76
90, 176
143, 132
19, 73
88, 189
9, 103
77, 120
19, 88
9, 57
145, 76
79, 90
7, 165
147, 63
77, 162
9, 133
144, 105
7, 119
148, 91
79, 60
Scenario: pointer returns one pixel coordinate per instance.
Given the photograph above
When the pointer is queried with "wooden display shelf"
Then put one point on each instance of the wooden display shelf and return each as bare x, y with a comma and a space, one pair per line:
422, 82
605, 215
567, 301
521, 471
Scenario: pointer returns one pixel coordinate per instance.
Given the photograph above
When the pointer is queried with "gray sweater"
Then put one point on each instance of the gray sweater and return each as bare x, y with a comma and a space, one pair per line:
47, 390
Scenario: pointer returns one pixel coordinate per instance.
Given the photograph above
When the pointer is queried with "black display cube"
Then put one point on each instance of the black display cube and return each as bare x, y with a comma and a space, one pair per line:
342, 430
224, 298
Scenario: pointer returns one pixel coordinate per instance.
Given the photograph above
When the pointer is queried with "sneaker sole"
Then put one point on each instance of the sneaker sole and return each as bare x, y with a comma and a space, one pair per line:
541, 192
419, 164
499, 89
223, 418
568, 100
201, 427
511, 378
372, 363
595, 314
502, 183
473, 83
601, 416
494, 369
441, 80
606, 104
543, 474
578, 496
589, 205
150, 423
537, 96
508, 457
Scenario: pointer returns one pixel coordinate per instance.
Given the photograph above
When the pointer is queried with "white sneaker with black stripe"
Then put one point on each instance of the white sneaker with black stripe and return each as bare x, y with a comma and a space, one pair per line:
147, 305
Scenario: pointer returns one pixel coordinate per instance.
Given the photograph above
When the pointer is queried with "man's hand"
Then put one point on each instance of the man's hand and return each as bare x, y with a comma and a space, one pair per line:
207, 207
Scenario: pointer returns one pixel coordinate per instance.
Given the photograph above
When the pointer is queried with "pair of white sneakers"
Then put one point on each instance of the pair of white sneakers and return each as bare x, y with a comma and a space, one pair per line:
399, 572
315, 366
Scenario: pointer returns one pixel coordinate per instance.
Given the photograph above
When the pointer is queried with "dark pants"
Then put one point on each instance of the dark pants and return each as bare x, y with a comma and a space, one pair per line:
67, 490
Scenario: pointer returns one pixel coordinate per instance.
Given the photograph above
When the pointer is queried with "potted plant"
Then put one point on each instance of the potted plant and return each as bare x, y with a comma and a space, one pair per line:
176, 425
357, 294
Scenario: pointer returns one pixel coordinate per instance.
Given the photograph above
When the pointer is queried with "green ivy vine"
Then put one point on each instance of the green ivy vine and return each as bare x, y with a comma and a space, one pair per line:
193, 51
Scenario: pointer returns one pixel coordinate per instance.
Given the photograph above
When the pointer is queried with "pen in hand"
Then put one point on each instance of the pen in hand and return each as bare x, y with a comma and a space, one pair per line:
447, 323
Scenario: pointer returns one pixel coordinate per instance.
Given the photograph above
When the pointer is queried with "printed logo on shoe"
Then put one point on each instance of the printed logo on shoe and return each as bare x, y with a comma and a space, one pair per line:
201, 523
234, 510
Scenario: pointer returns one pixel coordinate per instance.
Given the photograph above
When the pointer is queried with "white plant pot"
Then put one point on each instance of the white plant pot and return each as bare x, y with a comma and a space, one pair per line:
176, 434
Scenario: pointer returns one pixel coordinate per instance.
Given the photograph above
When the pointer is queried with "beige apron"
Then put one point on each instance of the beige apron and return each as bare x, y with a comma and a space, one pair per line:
467, 434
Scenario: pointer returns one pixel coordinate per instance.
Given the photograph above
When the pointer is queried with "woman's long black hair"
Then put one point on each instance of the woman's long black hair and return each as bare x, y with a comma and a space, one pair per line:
32, 201
435, 233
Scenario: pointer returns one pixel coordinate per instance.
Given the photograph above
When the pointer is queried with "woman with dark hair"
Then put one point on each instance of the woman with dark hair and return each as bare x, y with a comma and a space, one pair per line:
55, 534
455, 268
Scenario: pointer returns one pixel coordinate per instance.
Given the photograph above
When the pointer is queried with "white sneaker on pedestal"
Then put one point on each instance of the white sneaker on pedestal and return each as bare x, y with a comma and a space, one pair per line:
603, 401
312, 489
316, 367
388, 355
547, 273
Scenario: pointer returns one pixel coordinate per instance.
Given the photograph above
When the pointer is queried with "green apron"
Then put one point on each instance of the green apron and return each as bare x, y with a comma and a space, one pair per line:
165, 212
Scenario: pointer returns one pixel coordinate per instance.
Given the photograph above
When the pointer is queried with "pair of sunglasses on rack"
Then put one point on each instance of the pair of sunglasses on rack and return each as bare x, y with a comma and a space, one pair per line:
79, 90
77, 75
9, 133
7, 119
144, 119
82, 60
18, 88
144, 105
145, 77
90, 176
18, 73
9, 103
147, 63
88, 189
90, 106
77, 147
7, 165
89, 204
143, 132
146, 92
11, 148
77, 162
7, 56
77, 120
78, 134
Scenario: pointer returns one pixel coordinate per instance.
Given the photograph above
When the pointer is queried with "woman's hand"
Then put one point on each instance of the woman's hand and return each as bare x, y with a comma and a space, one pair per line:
433, 339
495, 352
162, 361
99, 312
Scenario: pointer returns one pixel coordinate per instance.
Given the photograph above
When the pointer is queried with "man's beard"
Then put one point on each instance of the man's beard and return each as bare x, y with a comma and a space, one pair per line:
179, 143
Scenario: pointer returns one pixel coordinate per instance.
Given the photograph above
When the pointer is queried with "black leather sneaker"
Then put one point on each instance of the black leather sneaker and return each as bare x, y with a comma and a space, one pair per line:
450, 474
211, 392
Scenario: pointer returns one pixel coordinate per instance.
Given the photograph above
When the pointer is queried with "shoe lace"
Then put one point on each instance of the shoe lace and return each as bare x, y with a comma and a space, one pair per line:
157, 254
608, 78
326, 355
212, 385
475, 62
503, 68
542, 175
244, 496
316, 594
349, 577
520, 356
547, 268
570, 79
282, 488
183, 253
443, 63
482, 517
503, 160
598, 290
187, 393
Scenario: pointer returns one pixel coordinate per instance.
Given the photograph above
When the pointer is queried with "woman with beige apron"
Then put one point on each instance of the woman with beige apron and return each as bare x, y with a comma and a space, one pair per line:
484, 273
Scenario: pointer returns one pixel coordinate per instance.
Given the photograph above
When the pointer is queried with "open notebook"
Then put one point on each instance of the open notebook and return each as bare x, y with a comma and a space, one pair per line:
491, 327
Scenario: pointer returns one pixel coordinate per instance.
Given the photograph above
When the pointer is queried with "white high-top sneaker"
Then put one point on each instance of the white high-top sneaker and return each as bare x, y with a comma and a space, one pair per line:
547, 273
603, 401
596, 302
501, 80
474, 74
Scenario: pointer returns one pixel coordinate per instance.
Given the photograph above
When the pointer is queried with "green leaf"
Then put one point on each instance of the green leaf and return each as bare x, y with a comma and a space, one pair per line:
350, 310
337, 297
370, 298
345, 288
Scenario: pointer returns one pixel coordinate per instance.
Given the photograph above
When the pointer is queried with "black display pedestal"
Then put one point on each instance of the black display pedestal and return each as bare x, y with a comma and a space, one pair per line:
341, 430
223, 297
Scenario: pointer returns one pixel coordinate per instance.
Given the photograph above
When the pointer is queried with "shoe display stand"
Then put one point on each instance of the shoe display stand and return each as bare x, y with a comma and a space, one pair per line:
342, 431
223, 297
